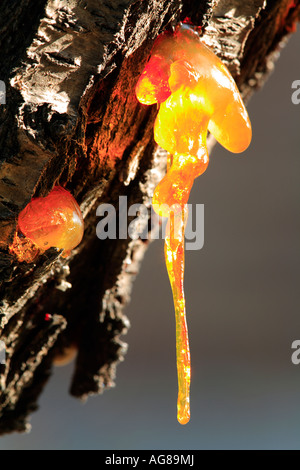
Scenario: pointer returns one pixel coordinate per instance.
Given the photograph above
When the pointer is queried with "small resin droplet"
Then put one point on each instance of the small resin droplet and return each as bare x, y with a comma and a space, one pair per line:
54, 221
196, 94
65, 355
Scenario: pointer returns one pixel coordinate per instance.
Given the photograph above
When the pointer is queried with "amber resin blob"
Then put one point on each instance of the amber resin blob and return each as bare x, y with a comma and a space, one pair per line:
196, 94
54, 221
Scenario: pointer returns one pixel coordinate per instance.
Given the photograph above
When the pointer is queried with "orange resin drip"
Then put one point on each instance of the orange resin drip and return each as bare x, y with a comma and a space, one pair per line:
196, 94
53, 221
174, 255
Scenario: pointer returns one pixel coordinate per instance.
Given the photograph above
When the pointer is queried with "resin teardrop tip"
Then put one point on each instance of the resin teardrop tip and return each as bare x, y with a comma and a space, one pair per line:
183, 420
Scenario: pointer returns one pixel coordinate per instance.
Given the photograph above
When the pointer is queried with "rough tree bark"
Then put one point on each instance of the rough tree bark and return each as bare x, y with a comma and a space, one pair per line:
70, 67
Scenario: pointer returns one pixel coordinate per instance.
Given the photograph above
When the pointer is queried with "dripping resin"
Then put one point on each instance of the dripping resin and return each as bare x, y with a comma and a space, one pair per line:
196, 94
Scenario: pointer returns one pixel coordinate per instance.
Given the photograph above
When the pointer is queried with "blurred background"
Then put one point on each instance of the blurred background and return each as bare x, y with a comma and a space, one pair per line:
243, 304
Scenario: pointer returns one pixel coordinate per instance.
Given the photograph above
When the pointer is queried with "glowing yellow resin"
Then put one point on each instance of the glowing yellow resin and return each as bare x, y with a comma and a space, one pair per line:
174, 254
196, 93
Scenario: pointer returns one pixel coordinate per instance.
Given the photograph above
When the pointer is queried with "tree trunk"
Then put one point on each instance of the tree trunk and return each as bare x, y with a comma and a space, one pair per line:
71, 117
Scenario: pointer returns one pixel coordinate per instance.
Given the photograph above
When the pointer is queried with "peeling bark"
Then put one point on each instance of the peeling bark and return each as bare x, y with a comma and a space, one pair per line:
72, 118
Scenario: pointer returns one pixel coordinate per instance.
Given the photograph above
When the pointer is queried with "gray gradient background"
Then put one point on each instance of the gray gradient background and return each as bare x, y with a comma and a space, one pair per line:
243, 298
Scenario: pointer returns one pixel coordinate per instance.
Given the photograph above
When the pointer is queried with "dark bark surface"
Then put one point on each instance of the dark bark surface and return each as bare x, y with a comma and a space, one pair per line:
72, 118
